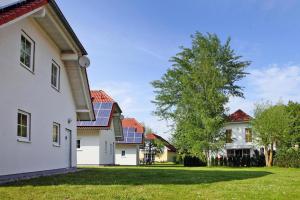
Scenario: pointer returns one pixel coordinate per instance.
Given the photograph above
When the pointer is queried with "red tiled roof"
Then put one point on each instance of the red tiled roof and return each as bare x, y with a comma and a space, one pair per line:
153, 136
239, 116
14, 12
131, 122
99, 96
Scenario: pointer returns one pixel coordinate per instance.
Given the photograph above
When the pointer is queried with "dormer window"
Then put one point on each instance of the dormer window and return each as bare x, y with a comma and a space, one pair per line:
26, 52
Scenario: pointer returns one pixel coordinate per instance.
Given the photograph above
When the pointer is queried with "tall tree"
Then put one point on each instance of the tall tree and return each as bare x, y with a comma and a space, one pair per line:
294, 110
194, 91
271, 125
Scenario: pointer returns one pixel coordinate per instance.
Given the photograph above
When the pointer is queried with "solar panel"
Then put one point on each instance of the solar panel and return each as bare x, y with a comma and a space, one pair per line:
7, 3
131, 137
102, 113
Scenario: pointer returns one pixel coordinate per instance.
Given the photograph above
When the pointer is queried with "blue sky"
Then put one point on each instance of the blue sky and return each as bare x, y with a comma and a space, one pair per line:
130, 42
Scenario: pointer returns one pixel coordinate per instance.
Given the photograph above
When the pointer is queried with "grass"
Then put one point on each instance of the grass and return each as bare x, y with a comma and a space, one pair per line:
161, 182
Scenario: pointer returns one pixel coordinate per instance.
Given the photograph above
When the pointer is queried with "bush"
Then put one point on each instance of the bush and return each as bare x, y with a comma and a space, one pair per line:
193, 161
287, 157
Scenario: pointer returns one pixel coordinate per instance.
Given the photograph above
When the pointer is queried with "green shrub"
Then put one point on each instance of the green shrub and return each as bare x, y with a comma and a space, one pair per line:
193, 161
287, 157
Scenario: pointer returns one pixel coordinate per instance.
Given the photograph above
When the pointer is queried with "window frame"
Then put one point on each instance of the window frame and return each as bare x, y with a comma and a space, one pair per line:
248, 135
57, 87
226, 137
122, 153
78, 143
105, 147
57, 144
28, 126
110, 148
32, 52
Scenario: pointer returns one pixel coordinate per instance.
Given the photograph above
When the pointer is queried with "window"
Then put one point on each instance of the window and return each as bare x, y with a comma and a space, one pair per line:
248, 134
228, 136
123, 153
23, 125
56, 134
105, 150
78, 144
26, 52
110, 148
55, 76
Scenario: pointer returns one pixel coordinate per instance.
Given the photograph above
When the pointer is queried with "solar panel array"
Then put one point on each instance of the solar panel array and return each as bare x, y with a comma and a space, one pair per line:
7, 3
103, 112
131, 137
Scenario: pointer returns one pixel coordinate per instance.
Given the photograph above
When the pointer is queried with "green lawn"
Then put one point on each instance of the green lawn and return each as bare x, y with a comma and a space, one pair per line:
161, 182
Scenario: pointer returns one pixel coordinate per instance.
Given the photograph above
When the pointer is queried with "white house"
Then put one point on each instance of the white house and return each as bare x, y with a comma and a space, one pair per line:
239, 137
43, 90
96, 140
127, 150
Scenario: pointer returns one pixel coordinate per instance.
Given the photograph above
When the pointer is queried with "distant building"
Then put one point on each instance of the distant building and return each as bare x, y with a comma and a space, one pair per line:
127, 150
44, 90
151, 154
239, 135
96, 140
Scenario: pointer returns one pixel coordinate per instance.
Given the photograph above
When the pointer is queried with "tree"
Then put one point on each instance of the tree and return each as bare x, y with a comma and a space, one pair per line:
152, 147
271, 125
294, 110
194, 91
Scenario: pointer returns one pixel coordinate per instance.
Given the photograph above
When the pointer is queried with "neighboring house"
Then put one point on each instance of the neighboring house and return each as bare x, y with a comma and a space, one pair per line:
43, 90
239, 137
96, 139
165, 152
127, 150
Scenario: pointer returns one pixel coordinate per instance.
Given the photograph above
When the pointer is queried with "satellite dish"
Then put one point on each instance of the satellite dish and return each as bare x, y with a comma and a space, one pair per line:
84, 61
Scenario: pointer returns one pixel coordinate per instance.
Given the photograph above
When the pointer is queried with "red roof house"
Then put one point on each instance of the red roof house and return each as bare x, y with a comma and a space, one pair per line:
239, 116
132, 122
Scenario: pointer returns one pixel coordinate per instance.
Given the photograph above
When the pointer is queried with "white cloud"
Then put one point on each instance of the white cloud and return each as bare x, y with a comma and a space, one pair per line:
272, 83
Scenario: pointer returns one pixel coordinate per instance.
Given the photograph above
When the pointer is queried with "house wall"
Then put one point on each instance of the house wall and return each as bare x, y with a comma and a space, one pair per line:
107, 135
239, 137
131, 154
32, 92
88, 153
92, 146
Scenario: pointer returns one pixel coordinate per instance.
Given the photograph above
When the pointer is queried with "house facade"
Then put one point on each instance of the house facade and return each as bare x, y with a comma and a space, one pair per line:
96, 140
166, 152
127, 150
239, 136
43, 89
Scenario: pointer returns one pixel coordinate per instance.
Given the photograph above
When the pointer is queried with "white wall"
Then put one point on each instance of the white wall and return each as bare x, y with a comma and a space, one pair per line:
32, 92
88, 154
92, 150
131, 154
107, 157
239, 137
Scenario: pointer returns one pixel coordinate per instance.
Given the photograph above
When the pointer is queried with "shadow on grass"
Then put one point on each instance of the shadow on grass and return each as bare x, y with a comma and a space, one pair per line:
142, 176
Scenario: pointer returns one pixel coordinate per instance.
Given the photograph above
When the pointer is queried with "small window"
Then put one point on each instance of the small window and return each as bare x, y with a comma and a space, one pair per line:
56, 134
26, 52
228, 136
23, 125
78, 144
55, 76
105, 150
248, 134
110, 148
123, 153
